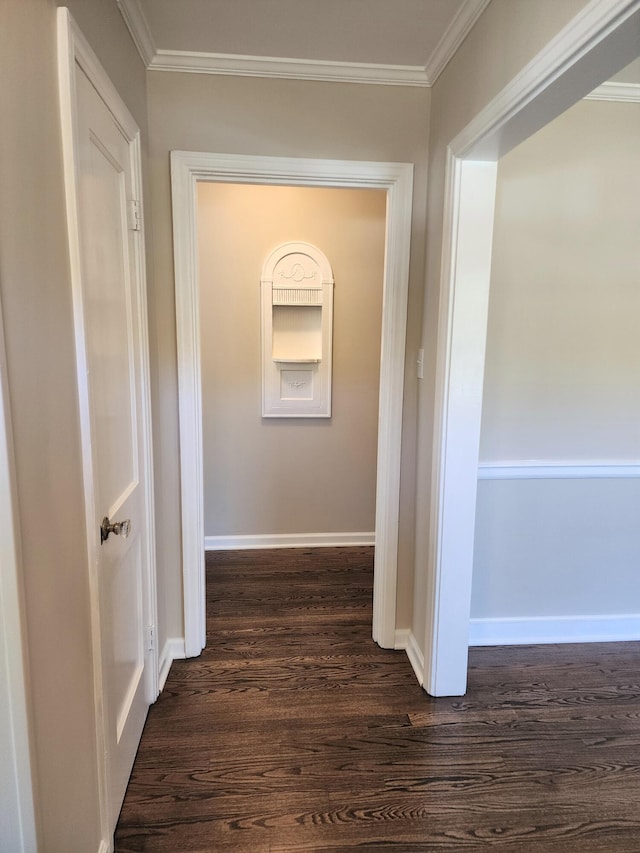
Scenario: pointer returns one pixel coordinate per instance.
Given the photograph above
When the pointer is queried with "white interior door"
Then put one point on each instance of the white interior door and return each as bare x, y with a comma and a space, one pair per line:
111, 290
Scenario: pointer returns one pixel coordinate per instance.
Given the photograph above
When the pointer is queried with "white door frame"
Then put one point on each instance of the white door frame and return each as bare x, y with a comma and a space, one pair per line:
17, 816
595, 44
187, 168
74, 51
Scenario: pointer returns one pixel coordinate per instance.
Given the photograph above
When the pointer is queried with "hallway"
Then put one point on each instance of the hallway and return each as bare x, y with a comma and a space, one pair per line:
294, 732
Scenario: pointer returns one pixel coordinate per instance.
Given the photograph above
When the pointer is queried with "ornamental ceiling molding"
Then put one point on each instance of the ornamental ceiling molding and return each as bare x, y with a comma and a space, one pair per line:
628, 93
138, 26
287, 69
156, 59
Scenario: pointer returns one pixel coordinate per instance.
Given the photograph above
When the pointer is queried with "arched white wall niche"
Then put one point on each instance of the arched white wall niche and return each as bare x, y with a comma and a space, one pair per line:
187, 169
297, 331
598, 42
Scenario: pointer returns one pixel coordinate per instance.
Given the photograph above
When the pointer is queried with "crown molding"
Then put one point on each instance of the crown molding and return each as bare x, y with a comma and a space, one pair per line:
628, 93
138, 26
288, 69
300, 69
485, 134
453, 37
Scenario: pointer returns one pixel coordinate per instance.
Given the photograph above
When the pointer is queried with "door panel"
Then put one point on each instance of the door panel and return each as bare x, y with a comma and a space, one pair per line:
112, 385
112, 323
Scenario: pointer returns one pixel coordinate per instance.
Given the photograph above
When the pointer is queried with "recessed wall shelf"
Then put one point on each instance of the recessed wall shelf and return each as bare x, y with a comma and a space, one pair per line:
297, 329
297, 360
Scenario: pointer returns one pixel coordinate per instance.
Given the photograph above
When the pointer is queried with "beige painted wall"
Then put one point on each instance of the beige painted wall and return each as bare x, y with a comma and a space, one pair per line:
200, 112
562, 369
288, 475
563, 341
36, 300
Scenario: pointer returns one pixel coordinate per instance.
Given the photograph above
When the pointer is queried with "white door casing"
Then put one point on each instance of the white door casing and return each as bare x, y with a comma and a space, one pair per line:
103, 187
187, 168
600, 40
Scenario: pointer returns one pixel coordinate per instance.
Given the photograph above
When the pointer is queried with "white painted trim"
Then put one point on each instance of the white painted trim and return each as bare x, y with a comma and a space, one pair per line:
104, 847
187, 168
183, 186
558, 470
460, 370
288, 69
138, 26
600, 37
74, 50
152, 688
17, 815
405, 640
173, 649
288, 540
500, 126
554, 629
628, 93
455, 34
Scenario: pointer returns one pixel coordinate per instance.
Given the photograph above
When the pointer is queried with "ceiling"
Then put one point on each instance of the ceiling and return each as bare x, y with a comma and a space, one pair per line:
408, 42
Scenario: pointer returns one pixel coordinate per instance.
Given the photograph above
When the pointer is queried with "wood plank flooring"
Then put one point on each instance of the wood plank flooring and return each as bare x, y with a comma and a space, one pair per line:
294, 732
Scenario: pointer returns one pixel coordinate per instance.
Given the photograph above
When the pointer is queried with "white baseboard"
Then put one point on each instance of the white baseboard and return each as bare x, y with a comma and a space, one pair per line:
405, 640
287, 540
563, 629
173, 649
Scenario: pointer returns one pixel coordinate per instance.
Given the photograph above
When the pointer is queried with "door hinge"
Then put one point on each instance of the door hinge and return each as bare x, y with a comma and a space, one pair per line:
135, 218
151, 638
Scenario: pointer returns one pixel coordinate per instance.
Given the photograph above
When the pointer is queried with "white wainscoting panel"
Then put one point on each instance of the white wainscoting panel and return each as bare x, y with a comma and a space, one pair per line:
557, 543
287, 540
557, 629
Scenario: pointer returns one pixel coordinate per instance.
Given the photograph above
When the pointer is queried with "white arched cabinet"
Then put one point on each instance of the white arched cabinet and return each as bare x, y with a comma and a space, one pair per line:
297, 330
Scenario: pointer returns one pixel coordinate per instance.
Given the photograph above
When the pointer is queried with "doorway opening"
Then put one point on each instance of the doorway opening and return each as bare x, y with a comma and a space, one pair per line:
299, 481
557, 546
396, 180
596, 45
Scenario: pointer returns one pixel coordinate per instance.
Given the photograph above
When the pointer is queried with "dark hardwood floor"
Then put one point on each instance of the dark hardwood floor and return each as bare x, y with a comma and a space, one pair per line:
294, 732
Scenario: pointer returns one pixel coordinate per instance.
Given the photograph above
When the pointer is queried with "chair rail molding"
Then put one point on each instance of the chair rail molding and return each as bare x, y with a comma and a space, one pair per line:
561, 469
